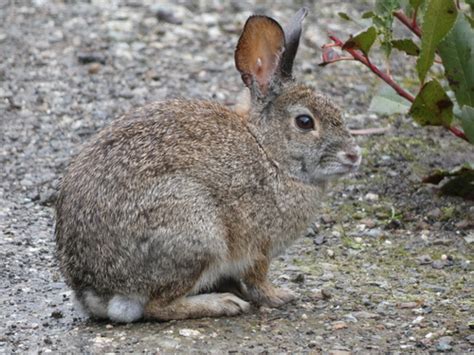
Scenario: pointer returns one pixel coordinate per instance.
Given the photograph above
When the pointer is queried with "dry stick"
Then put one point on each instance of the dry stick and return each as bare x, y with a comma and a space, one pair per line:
369, 131
400, 91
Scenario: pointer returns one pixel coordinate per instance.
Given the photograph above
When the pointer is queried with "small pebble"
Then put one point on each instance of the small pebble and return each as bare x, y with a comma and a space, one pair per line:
438, 264
369, 223
372, 197
444, 343
469, 239
94, 68
375, 233
327, 219
298, 278
319, 240
436, 213
57, 314
189, 332
339, 325
424, 259
339, 352
320, 294
91, 57
350, 318
408, 305
365, 315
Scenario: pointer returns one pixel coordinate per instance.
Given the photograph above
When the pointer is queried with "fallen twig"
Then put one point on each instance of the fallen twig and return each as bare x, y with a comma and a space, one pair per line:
369, 131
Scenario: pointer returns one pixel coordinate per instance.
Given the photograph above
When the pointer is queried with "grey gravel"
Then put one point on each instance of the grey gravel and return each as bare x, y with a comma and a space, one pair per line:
68, 68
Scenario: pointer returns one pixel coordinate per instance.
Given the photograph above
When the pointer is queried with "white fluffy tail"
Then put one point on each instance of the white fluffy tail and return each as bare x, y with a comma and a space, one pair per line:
118, 308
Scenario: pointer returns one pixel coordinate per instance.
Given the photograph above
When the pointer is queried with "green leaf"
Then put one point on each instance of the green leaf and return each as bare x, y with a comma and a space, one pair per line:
439, 18
407, 46
386, 7
467, 120
471, 4
368, 14
432, 106
460, 181
457, 52
344, 16
363, 40
439, 174
470, 19
388, 102
383, 20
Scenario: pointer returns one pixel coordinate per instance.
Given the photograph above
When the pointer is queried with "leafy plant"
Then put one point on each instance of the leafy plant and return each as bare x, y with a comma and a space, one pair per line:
442, 34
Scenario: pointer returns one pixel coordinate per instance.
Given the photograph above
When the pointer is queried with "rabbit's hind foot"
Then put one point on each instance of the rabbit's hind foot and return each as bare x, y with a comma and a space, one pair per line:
265, 294
204, 305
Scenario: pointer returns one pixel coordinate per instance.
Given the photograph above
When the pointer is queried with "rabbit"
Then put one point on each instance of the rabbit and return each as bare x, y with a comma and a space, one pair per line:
175, 210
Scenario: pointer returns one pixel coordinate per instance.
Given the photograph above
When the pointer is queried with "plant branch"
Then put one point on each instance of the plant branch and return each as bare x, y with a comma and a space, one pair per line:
458, 133
413, 21
411, 24
364, 59
385, 77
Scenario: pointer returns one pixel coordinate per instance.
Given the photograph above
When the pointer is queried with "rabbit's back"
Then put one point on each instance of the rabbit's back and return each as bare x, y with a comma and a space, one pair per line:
166, 170
203, 141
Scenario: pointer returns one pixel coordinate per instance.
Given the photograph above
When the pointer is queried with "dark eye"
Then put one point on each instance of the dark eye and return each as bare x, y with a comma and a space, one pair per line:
304, 122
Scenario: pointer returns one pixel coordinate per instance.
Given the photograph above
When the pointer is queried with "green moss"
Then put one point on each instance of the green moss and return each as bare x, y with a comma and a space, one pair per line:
447, 213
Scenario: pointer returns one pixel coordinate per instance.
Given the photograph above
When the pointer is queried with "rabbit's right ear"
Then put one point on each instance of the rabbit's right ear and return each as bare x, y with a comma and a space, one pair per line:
258, 54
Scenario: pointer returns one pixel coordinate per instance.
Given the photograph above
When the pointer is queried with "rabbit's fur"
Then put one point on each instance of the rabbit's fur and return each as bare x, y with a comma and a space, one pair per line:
178, 201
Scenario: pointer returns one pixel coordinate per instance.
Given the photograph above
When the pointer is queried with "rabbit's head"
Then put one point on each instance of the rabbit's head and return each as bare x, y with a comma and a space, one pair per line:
300, 129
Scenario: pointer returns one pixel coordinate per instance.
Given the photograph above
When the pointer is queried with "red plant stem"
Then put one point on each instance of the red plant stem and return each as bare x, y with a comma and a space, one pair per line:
415, 14
458, 133
412, 25
400, 91
361, 58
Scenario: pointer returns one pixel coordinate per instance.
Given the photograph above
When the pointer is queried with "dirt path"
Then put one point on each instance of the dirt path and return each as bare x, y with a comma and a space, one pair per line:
387, 264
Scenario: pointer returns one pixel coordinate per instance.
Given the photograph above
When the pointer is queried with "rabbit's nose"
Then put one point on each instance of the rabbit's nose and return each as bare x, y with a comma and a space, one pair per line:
351, 156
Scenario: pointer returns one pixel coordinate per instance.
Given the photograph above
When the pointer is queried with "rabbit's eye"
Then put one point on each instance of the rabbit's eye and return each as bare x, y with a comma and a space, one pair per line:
304, 122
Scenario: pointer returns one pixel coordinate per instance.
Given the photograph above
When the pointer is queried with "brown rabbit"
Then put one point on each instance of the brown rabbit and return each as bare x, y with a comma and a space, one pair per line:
179, 200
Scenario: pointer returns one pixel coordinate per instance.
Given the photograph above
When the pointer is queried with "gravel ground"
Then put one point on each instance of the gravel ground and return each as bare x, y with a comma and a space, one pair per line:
386, 266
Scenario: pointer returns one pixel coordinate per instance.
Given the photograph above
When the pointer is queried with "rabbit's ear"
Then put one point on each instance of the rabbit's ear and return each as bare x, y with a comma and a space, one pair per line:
258, 53
292, 39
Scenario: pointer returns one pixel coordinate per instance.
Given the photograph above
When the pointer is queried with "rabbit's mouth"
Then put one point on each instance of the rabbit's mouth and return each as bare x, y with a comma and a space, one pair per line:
334, 171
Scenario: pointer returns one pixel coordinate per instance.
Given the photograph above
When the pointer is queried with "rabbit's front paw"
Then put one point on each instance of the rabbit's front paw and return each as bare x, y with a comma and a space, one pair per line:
268, 295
